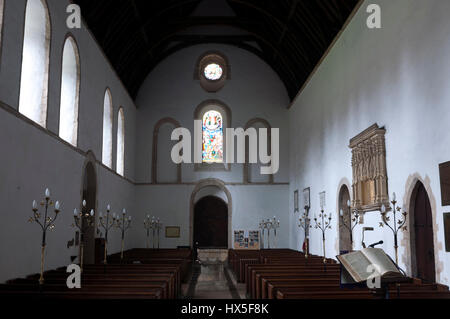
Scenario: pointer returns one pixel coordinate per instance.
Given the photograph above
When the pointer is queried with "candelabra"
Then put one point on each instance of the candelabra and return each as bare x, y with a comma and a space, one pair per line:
397, 225
46, 223
305, 223
155, 225
262, 226
83, 220
352, 221
106, 224
123, 224
323, 226
270, 224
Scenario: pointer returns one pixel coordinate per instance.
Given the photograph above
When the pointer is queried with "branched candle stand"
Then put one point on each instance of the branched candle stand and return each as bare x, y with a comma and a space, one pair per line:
106, 224
305, 223
123, 224
323, 226
153, 224
269, 224
352, 221
83, 220
46, 223
397, 225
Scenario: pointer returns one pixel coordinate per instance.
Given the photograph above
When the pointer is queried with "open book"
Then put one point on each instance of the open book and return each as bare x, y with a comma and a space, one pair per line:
357, 265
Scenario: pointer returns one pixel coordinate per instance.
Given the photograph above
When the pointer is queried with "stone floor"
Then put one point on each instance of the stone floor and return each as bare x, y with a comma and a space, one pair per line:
213, 281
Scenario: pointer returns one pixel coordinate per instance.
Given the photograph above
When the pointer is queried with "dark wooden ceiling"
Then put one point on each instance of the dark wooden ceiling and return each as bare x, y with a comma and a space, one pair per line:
291, 35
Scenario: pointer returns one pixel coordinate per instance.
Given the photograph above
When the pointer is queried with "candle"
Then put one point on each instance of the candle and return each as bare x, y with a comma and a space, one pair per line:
383, 208
349, 203
129, 218
108, 207
75, 213
101, 215
57, 205
124, 211
47, 193
34, 204
341, 212
393, 196
92, 212
84, 203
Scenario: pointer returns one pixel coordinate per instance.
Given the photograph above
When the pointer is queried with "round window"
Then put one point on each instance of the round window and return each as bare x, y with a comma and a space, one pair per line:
213, 71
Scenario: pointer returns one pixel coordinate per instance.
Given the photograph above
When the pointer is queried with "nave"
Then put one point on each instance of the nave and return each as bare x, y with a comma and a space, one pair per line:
173, 274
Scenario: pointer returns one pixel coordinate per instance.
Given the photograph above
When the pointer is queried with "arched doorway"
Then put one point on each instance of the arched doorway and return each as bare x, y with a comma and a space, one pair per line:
211, 223
344, 233
422, 243
90, 196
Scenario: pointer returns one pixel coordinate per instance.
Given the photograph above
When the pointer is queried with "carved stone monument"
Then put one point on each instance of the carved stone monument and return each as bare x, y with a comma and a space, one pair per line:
369, 183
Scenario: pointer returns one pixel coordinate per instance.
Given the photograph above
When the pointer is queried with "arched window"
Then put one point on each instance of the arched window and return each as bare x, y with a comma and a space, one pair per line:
212, 134
120, 143
107, 129
70, 86
35, 61
214, 117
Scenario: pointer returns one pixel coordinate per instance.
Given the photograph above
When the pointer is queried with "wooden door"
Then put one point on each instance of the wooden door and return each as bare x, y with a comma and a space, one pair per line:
90, 195
423, 227
211, 223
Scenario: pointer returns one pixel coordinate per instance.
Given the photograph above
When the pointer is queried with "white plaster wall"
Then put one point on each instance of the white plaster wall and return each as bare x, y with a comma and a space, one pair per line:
397, 77
170, 90
34, 158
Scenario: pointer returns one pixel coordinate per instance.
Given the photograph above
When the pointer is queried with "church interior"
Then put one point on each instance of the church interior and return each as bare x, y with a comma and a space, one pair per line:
224, 149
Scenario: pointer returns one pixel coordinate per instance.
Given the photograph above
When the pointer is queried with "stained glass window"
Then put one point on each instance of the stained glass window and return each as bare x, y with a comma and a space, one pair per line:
212, 130
213, 71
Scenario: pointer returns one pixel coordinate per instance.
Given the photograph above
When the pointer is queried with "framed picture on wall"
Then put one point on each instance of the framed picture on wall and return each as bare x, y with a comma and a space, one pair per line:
306, 198
172, 231
296, 200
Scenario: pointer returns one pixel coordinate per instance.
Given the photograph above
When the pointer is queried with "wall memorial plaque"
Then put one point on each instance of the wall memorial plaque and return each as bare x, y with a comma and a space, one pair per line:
369, 185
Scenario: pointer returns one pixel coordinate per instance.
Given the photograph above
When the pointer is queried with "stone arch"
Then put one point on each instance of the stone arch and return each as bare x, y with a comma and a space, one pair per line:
89, 192
344, 182
206, 183
408, 241
155, 148
250, 123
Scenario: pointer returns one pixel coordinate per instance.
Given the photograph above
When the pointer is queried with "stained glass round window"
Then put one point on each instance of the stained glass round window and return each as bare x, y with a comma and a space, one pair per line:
213, 71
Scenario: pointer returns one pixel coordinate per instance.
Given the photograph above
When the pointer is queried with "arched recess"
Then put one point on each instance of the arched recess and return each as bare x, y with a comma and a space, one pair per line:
421, 234
225, 112
89, 190
344, 232
107, 145
156, 129
33, 94
198, 187
250, 170
70, 91
120, 161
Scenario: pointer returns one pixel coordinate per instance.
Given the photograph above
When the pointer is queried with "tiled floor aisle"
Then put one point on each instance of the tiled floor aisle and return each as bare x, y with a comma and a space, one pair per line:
212, 281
